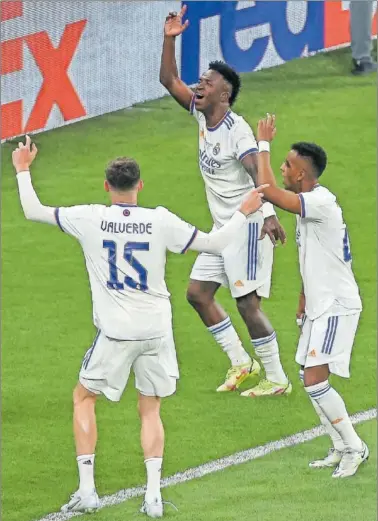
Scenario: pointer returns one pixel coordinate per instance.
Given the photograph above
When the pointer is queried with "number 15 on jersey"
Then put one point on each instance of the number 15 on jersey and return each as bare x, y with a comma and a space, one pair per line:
129, 248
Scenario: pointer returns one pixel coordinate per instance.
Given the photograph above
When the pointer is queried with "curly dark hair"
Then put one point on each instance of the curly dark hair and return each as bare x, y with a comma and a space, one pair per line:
230, 75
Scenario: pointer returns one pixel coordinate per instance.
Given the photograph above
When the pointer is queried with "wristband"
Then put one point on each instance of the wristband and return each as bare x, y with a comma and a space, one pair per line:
268, 210
264, 146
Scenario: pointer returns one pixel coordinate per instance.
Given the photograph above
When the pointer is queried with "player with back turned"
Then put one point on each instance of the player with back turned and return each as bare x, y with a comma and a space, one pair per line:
125, 247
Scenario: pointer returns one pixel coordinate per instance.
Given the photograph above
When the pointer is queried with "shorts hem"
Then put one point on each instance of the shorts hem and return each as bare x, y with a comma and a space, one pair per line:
331, 366
109, 396
209, 279
258, 287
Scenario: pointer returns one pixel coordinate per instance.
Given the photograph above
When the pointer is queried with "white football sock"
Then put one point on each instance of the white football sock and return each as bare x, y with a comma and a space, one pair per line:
267, 350
337, 441
333, 407
85, 464
153, 466
226, 336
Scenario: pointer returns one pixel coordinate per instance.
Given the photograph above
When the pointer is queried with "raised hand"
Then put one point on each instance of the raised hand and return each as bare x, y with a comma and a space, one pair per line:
24, 155
266, 129
173, 23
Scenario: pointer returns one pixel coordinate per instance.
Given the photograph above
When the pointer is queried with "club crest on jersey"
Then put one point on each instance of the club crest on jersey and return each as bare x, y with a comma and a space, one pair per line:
216, 149
126, 212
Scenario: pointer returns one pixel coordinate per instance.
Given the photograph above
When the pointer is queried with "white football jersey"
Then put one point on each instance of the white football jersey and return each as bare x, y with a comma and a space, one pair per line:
125, 253
324, 255
221, 150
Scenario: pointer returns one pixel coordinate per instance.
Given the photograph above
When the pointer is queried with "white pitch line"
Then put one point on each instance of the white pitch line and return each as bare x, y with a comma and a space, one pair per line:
216, 465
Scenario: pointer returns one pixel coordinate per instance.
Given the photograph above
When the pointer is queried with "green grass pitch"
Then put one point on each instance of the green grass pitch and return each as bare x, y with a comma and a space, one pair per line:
47, 313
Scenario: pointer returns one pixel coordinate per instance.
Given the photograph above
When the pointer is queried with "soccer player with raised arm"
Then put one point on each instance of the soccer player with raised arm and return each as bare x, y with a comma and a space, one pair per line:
329, 303
228, 164
125, 247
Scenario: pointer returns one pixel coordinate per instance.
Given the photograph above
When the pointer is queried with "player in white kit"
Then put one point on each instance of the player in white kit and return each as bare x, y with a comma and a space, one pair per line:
228, 164
329, 304
125, 249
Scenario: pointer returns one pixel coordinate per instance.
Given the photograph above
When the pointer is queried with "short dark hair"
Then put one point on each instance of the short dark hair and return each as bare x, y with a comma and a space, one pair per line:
122, 173
230, 75
314, 153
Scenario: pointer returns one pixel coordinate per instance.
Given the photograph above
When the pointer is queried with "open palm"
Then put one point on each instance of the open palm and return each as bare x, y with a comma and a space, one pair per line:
173, 23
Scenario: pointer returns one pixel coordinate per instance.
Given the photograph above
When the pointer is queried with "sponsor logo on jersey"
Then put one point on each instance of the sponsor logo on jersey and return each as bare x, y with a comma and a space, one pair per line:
312, 353
208, 164
239, 284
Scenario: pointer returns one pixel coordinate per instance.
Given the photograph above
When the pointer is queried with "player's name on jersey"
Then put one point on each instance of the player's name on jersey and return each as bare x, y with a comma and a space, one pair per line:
136, 228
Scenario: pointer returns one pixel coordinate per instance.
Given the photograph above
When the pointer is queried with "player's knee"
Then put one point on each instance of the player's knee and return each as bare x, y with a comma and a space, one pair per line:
196, 297
148, 406
315, 375
248, 304
80, 394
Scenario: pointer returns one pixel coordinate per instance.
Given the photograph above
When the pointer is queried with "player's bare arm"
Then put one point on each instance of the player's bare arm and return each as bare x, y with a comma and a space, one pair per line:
272, 226
284, 199
169, 76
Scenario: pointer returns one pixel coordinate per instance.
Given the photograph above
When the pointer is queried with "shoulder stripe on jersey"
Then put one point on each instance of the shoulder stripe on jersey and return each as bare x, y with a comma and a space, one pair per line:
230, 119
303, 206
191, 107
211, 129
250, 151
190, 241
229, 122
56, 214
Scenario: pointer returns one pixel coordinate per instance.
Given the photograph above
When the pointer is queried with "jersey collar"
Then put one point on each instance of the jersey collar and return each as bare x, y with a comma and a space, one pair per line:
211, 129
125, 205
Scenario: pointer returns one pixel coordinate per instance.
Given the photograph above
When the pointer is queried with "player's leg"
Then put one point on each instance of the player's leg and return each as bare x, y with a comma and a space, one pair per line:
85, 433
152, 441
264, 340
105, 370
156, 373
248, 265
330, 345
335, 453
206, 278
85, 499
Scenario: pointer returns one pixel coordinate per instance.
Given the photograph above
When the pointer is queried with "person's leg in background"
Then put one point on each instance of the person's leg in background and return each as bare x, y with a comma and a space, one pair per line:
361, 15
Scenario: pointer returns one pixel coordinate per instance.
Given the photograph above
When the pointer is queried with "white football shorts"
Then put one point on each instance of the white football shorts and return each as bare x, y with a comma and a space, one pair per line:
107, 364
244, 266
328, 340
